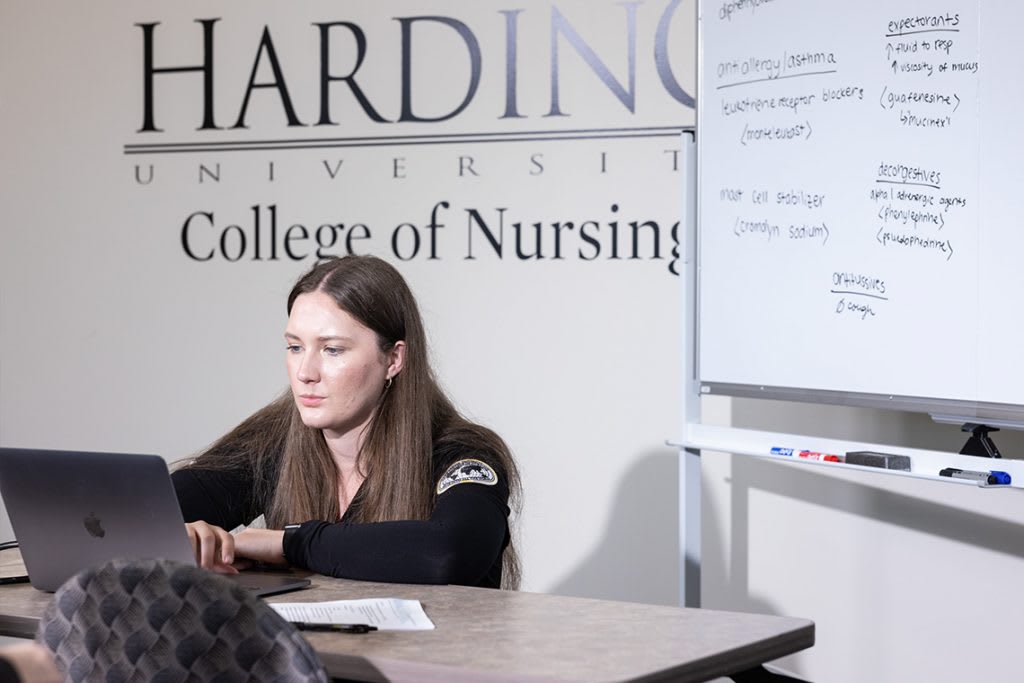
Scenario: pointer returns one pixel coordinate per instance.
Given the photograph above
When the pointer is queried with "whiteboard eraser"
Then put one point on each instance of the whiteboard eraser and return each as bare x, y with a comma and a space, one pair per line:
888, 461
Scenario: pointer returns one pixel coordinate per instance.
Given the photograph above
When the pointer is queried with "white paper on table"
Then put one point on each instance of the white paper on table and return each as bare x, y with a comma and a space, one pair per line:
387, 614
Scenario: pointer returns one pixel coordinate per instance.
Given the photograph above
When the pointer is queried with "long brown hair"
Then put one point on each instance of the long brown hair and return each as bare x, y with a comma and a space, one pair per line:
293, 469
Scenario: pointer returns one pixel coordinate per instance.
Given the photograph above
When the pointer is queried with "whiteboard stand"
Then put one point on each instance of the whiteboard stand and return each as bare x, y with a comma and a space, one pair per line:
980, 443
689, 462
767, 80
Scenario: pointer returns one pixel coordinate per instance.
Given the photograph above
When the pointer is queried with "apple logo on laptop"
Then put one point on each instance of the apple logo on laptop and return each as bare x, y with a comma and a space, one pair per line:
93, 526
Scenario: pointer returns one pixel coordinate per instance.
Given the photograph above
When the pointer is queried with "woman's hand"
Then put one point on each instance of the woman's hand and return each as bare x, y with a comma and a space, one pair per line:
214, 548
262, 545
222, 552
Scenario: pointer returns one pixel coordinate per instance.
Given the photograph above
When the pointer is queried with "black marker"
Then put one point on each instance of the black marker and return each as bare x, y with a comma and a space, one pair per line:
336, 628
993, 478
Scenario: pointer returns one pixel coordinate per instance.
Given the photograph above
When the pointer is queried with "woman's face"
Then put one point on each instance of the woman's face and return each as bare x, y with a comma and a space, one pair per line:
335, 366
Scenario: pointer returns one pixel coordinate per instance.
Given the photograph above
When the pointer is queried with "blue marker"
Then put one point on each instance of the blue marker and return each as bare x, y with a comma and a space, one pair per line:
777, 450
992, 478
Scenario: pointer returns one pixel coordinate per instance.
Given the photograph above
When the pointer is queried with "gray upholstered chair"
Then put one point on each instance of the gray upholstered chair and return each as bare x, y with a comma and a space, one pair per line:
154, 620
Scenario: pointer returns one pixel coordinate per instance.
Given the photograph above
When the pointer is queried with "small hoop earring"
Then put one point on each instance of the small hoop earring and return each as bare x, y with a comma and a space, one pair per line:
388, 383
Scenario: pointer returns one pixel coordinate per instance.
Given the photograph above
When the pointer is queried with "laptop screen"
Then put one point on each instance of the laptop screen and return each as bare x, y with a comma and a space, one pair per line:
73, 509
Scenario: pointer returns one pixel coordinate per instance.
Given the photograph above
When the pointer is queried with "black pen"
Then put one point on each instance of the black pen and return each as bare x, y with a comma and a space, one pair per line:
6, 580
337, 628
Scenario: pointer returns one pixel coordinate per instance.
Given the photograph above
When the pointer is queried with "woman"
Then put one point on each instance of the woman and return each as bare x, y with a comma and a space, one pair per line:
365, 469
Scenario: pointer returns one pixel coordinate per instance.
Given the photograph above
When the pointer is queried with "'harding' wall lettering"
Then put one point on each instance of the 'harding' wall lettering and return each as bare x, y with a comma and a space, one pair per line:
561, 30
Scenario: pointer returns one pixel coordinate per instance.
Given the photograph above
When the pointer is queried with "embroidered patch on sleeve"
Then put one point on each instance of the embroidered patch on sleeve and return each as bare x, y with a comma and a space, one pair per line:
467, 471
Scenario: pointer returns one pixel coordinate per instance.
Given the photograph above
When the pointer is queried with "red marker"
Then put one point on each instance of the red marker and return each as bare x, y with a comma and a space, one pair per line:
814, 455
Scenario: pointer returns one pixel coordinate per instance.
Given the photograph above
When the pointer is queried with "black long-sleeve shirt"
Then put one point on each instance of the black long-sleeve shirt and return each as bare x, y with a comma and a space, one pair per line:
461, 543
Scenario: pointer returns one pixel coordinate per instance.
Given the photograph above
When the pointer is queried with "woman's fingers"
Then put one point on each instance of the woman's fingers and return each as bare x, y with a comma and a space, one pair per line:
214, 547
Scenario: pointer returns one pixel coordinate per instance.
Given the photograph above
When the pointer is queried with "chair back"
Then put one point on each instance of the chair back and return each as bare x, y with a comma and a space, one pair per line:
157, 620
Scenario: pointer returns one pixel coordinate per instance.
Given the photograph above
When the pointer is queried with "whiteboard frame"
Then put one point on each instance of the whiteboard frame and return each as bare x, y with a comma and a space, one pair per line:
941, 410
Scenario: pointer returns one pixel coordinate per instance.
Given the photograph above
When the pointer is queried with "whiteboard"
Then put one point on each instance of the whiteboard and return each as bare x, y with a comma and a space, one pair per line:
859, 194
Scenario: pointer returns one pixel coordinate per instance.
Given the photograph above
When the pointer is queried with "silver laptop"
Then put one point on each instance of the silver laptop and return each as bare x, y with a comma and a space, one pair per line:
74, 509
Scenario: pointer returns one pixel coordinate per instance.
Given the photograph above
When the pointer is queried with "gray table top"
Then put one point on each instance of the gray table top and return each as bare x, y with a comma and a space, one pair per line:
489, 636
